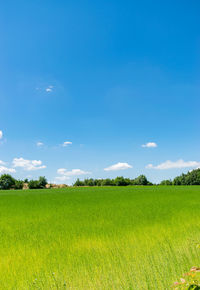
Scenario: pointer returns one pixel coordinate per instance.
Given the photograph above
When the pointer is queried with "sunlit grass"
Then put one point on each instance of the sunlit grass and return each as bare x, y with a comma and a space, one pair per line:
98, 238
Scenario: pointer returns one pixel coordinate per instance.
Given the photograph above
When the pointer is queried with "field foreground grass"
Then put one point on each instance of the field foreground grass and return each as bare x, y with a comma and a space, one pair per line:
98, 238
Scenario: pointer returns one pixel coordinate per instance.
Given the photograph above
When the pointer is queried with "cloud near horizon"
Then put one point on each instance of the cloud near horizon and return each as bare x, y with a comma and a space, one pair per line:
150, 145
118, 166
65, 175
28, 165
4, 169
174, 165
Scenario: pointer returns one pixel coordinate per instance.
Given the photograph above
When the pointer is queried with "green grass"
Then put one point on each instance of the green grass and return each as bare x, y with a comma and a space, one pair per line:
98, 238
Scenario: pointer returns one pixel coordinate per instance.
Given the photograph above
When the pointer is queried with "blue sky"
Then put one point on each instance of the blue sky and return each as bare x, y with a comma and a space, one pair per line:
107, 76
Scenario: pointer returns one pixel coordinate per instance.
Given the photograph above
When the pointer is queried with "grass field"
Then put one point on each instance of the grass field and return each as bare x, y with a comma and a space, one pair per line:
98, 238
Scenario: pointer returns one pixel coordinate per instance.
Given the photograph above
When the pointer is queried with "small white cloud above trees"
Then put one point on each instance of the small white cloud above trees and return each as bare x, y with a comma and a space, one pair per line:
62, 178
174, 165
73, 172
150, 145
28, 165
65, 174
4, 169
118, 166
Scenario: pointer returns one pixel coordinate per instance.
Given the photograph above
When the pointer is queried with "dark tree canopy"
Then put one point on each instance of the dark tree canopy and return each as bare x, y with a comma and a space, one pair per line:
6, 181
118, 181
190, 178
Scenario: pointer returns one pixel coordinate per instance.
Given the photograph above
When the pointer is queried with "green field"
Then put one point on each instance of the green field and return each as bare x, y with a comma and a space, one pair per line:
98, 238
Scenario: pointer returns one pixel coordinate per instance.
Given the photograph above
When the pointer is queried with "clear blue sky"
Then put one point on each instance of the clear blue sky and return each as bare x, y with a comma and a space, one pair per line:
108, 76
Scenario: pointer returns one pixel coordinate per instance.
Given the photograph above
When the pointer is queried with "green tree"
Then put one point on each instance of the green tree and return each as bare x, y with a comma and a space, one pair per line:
120, 181
141, 180
18, 184
7, 181
42, 182
166, 182
33, 184
107, 182
98, 182
190, 178
89, 182
78, 183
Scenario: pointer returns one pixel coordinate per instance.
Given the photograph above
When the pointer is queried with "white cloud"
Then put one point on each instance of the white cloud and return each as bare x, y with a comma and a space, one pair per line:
65, 175
1, 134
2, 162
118, 166
73, 172
49, 89
62, 178
172, 165
39, 144
150, 145
66, 143
4, 169
28, 165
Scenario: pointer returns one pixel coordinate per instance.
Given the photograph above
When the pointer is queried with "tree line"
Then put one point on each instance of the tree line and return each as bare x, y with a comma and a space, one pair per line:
190, 178
9, 182
118, 181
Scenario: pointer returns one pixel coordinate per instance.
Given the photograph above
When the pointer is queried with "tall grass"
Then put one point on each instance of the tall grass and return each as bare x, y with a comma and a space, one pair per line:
98, 238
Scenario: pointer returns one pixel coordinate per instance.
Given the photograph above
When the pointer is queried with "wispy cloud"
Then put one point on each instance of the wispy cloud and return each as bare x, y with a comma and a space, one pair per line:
73, 172
28, 165
64, 174
62, 178
118, 166
4, 169
173, 165
66, 143
150, 145
39, 144
1, 134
